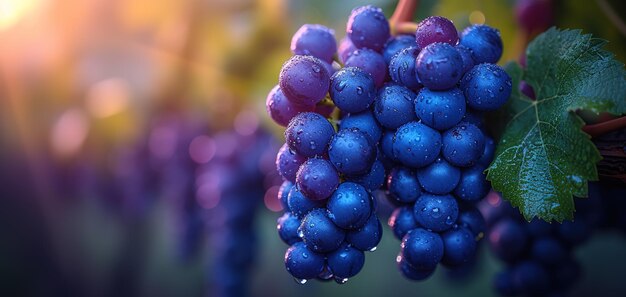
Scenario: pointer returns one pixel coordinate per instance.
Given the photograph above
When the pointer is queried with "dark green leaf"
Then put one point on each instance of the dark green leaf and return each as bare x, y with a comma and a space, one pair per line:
543, 158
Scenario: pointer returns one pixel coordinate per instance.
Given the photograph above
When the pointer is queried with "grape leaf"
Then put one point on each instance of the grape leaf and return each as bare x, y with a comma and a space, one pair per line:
543, 157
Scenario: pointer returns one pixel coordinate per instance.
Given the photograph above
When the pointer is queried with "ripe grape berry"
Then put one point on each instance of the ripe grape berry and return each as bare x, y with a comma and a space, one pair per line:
409, 121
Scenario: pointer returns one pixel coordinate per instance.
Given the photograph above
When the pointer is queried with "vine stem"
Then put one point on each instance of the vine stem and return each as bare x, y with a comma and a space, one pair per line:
400, 21
602, 128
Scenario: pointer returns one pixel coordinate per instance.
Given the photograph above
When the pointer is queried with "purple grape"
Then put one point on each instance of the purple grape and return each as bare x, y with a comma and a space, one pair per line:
314, 40
304, 80
435, 29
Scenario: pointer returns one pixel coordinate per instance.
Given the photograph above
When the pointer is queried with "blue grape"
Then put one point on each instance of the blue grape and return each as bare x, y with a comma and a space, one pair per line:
317, 179
394, 106
435, 29
486, 87
372, 180
473, 117
412, 273
403, 185
548, 251
288, 163
319, 233
351, 152
416, 145
439, 66
488, 152
472, 219
531, 278
503, 283
300, 205
314, 40
371, 62
422, 249
459, 246
304, 80
466, 57
574, 232
508, 239
368, 27
349, 206
282, 110
303, 263
439, 177
368, 236
363, 121
283, 194
402, 221
345, 50
308, 134
436, 212
352, 90
386, 145
473, 184
463, 144
288, 225
402, 68
484, 42
346, 261
440, 110
396, 44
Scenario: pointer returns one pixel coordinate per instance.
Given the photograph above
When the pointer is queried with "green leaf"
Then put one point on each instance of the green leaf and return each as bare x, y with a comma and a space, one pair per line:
543, 158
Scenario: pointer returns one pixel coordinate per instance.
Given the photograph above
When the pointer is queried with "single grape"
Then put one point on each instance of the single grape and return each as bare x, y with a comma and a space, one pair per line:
422, 249
473, 184
325, 108
463, 145
394, 106
531, 278
368, 236
317, 179
439, 66
486, 87
440, 110
283, 194
459, 246
436, 212
304, 80
308, 134
412, 273
416, 145
548, 251
472, 219
282, 110
508, 239
363, 121
466, 56
488, 153
345, 50
352, 90
402, 221
372, 180
351, 152
435, 29
314, 40
288, 225
484, 42
368, 27
303, 263
403, 185
439, 177
319, 233
396, 44
346, 261
300, 205
386, 145
371, 62
534, 15
350, 206
288, 163
402, 68
503, 284
574, 232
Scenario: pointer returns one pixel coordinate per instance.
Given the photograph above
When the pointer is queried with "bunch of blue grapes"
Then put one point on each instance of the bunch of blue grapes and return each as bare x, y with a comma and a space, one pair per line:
538, 256
434, 143
408, 120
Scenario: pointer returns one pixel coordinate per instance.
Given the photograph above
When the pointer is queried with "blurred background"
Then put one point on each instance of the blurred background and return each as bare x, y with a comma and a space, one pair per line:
137, 159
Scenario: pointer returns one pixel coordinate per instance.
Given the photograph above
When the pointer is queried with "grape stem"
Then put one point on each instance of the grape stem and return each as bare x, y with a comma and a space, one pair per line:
400, 21
599, 129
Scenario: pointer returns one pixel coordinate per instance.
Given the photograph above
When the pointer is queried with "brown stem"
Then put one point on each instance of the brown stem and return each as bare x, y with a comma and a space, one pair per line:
599, 129
405, 28
403, 14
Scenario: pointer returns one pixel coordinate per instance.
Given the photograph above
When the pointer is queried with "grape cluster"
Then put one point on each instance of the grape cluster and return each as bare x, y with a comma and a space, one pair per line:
433, 142
539, 256
409, 114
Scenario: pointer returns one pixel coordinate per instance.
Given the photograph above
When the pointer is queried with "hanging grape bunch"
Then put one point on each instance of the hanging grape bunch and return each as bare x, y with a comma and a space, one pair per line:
410, 120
